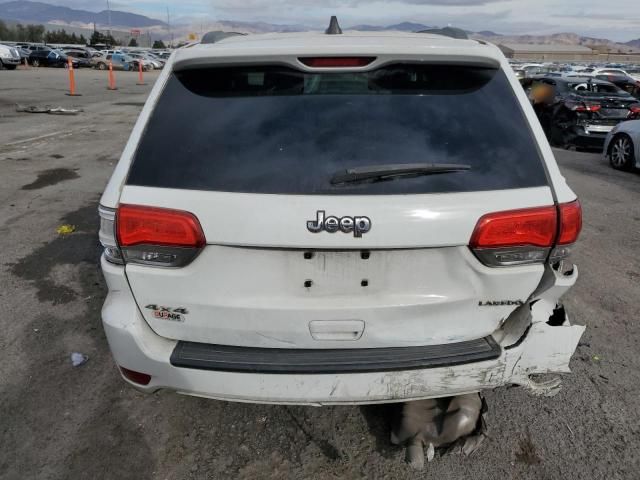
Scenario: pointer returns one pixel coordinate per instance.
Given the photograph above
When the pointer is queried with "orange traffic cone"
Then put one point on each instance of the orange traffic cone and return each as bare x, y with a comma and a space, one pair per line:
140, 76
112, 78
72, 79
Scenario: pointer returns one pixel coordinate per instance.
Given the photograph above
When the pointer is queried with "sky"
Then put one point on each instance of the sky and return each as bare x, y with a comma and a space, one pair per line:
617, 20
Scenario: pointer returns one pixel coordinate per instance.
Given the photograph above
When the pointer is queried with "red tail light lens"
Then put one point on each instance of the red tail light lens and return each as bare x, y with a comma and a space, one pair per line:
137, 225
532, 226
583, 107
635, 108
570, 222
520, 237
336, 62
136, 377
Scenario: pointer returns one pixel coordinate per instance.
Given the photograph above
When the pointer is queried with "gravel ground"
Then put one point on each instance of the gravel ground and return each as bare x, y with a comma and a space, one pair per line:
60, 422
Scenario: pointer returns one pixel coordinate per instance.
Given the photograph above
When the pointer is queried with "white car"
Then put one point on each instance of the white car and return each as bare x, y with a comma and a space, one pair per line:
9, 57
622, 146
323, 219
613, 71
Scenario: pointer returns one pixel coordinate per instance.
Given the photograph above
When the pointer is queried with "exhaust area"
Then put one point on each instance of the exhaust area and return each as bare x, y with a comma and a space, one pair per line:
451, 424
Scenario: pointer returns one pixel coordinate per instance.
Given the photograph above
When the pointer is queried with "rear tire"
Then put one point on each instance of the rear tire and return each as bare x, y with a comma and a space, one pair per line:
35, 62
102, 66
622, 153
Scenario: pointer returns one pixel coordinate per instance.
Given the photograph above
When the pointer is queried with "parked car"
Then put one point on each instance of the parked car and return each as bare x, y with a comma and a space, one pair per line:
628, 84
82, 56
51, 58
622, 146
118, 61
147, 62
579, 111
614, 71
266, 241
135, 60
9, 57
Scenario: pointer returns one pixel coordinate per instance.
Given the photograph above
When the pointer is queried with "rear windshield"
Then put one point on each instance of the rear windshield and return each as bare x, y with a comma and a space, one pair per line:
281, 131
586, 88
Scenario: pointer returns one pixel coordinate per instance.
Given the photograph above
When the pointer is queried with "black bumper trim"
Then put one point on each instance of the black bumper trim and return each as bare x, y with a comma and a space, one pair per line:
204, 356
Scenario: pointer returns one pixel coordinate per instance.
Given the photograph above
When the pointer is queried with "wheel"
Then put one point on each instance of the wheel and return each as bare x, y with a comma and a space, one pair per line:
35, 62
621, 152
102, 66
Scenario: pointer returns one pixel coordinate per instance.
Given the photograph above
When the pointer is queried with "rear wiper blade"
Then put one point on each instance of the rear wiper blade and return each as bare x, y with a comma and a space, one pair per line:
383, 172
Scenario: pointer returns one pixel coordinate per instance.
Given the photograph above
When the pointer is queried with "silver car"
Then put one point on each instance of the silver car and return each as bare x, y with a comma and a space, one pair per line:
622, 146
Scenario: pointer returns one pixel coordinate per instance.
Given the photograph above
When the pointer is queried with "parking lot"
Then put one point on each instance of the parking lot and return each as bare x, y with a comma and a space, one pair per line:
63, 422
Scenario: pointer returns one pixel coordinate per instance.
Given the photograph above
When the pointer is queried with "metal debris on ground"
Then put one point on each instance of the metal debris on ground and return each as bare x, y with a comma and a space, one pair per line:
78, 359
47, 109
65, 229
450, 425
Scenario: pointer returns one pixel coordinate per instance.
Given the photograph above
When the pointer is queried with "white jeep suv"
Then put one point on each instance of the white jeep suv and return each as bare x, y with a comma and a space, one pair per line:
338, 219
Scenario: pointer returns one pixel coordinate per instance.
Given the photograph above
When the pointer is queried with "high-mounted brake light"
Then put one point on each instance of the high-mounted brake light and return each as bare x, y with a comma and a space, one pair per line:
158, 236
519, 237
336, 62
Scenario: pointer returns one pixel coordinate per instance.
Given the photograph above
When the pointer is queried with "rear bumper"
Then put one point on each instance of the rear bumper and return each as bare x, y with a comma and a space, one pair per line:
582, 139
543, 349
10, 61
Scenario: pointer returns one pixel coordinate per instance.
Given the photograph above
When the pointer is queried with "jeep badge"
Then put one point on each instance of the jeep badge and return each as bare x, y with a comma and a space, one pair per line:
358, 225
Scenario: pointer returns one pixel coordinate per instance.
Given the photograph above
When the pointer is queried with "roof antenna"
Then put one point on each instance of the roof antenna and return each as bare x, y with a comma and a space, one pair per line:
334, 27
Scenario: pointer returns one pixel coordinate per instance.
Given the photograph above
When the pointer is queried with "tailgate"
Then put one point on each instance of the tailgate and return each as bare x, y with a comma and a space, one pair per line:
266, 281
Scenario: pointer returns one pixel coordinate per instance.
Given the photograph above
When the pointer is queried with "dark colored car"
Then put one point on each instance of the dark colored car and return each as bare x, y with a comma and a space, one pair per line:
579, 111
82, 56
50, 58
626, 83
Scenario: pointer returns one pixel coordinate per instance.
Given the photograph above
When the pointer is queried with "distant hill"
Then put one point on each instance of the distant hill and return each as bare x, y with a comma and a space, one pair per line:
402, 27
634, 43
38, 12
602, 44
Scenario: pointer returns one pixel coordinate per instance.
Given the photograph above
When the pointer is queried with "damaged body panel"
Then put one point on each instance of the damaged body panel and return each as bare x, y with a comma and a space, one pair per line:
579, 112
543, 349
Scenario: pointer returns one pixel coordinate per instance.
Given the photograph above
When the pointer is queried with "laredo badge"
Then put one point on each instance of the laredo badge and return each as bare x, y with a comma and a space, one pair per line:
168, 313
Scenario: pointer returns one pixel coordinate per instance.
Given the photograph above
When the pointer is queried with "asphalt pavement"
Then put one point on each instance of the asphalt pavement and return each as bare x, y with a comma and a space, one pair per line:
63, 422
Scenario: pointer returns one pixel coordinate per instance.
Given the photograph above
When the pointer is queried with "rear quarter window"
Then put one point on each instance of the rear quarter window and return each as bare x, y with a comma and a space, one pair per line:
277, 130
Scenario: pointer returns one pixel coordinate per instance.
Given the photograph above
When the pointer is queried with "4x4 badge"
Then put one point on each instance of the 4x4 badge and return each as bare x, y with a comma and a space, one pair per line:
358, 225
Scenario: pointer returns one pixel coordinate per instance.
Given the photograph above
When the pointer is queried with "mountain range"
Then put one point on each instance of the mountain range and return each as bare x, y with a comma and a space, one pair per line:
40, 12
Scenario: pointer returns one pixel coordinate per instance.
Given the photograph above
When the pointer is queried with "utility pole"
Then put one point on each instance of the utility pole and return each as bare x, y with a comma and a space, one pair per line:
169, 28
109, 16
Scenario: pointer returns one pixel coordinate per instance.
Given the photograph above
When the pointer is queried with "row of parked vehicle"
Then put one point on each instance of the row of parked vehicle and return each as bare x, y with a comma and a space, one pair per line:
39, 55
589, 108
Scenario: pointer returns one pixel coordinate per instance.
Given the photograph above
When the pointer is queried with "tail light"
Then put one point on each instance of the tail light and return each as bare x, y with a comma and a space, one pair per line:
150, 236
336, 62
583, 107
532, 235
107, 235
634, 110
159, 237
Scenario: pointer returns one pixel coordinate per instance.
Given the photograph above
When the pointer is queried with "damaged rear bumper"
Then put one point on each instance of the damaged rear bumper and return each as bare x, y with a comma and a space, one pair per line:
544, 347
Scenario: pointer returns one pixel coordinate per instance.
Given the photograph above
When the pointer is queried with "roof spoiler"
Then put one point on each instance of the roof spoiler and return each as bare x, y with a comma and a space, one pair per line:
448, 32
218, 35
